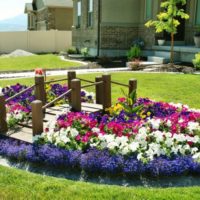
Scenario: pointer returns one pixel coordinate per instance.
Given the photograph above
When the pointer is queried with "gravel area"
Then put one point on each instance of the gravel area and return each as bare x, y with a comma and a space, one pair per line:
17, 53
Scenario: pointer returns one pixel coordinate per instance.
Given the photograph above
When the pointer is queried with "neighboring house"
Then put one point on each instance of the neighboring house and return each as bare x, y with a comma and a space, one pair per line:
108, 27
49, 14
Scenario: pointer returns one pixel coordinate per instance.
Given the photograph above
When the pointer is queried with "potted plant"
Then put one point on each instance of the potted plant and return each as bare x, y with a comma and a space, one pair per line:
160, 40
196, 61
133, 56
197, 38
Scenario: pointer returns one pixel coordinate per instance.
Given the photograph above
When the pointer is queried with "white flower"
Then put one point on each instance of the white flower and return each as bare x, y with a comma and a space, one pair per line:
121, 140
109, 138
125, 150
37, 137
168, 135
179, 137
194, 150
139, 156
74, 132
112, 145
158, 136
196, 157
142, 135
169, 123
169, 142
134, 146
193, 126
180, 120
143, 131
64, 139
93, 144
155, 123
95, 130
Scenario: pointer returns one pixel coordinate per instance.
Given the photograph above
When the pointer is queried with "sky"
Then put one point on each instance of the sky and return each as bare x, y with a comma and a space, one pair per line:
12, 8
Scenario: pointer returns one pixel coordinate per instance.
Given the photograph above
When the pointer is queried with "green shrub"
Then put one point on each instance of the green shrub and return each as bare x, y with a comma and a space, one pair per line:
134, 52
196, 61
72, 50
85, 51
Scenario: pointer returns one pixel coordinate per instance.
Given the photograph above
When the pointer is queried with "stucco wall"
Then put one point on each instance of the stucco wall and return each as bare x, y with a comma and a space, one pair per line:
55, 18
126, 11
63, 18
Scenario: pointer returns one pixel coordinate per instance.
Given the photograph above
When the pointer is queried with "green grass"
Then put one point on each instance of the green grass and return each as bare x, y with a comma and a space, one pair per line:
166, 87
17, 184
48, 61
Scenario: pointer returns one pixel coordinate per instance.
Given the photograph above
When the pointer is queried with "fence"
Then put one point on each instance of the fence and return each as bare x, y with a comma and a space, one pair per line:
35, 41
102, 89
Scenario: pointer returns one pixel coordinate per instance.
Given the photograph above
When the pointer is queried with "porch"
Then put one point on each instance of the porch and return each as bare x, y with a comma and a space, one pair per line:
161, 54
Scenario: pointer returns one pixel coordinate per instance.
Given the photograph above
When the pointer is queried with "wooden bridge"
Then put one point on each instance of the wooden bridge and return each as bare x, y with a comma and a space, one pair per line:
42, 112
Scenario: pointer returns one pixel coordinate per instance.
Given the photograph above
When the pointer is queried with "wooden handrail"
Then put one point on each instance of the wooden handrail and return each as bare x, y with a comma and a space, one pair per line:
93, 84
57, 80
114, 82
58, 98
16, 95
24, 125
86, 80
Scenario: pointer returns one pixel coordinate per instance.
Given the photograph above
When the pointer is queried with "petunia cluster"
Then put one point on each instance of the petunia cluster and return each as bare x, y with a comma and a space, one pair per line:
157, 129
19, 107
100, 162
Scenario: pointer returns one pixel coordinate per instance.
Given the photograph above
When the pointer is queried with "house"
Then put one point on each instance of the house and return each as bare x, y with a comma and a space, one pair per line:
108, 27
49, 14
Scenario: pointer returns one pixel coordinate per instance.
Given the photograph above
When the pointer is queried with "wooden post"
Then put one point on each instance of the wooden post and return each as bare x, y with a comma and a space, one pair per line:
132, 85
37, 117
76, 95
71, 76
40, 92
106, 91
3, 123
99, 91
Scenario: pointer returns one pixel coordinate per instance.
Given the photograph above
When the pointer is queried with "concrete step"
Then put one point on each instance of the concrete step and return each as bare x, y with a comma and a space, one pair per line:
158, 60
164, 54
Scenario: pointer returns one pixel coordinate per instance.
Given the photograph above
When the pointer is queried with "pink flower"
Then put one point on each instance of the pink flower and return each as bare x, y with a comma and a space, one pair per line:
121, 99
85, 139
78, 138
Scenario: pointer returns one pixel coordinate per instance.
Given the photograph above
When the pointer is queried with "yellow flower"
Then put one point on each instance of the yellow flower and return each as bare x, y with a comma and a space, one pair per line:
148, 114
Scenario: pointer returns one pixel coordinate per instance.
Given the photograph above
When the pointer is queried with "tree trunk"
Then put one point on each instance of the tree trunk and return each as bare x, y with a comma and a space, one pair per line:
172, 50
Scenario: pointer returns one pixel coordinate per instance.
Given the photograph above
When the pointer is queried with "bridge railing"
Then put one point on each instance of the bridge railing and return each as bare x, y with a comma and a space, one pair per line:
103, 91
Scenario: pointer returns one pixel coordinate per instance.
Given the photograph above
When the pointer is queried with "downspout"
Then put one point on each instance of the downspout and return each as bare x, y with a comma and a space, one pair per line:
98, 28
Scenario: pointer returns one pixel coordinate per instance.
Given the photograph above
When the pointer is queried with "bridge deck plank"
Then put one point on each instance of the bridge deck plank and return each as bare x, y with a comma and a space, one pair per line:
25, 134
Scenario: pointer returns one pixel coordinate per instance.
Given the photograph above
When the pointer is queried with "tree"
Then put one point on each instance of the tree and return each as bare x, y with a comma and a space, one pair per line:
167, 20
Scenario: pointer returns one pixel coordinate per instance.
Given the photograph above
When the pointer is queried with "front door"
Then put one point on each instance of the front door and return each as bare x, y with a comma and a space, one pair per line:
180, 35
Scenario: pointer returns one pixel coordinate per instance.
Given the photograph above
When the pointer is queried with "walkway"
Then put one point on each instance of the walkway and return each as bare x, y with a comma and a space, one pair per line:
60, 72
24, 132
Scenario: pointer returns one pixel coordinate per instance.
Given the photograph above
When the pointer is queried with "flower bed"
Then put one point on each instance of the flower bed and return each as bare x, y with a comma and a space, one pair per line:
100, 162
130, 139
19, 107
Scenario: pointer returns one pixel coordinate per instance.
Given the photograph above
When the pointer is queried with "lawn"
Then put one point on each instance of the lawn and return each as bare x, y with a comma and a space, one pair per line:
17, 184
177, 88
48, 61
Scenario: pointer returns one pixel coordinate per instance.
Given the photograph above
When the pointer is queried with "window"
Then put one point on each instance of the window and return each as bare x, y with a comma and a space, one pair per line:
90, 13
148, 9
78, 14
198, 13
